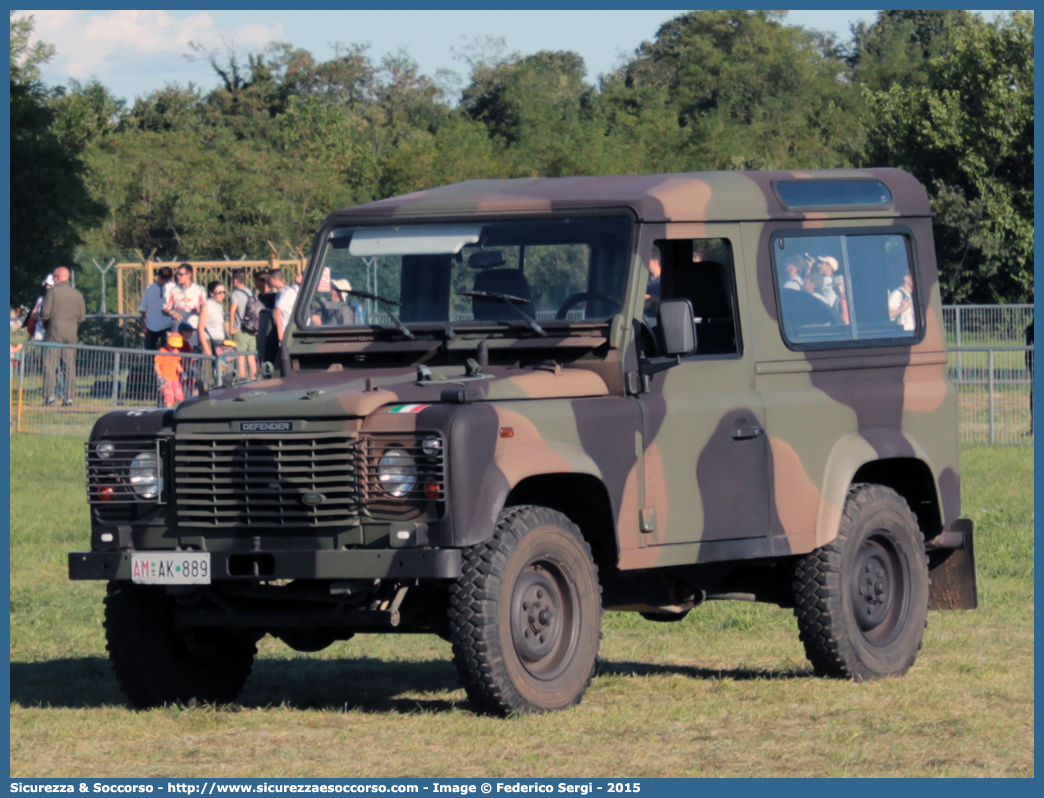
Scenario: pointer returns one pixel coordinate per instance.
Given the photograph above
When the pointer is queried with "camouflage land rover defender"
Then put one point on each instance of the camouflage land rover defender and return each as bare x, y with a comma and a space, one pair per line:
506, 405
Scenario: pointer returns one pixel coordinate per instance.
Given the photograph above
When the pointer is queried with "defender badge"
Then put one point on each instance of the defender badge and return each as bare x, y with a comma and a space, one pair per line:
266, 426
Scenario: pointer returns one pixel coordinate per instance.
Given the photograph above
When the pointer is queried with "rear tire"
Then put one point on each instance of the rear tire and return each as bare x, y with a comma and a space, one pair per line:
525, 615
157, 664
862, 600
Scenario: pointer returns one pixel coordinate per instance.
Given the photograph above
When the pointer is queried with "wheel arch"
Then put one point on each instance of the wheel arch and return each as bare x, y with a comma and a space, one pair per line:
583, 499
882, 457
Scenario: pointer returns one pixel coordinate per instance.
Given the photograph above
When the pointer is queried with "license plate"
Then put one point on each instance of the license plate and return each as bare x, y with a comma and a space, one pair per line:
171, 568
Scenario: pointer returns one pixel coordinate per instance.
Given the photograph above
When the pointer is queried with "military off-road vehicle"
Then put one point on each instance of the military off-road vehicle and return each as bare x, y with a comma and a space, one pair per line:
504, 406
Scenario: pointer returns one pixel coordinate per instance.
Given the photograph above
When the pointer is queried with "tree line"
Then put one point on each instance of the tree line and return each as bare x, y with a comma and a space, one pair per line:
285, 137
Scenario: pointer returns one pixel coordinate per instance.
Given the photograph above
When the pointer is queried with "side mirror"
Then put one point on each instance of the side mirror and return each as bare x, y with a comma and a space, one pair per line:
677, 326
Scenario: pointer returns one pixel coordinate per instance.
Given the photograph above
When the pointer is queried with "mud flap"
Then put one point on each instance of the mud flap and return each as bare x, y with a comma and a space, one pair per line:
951, 567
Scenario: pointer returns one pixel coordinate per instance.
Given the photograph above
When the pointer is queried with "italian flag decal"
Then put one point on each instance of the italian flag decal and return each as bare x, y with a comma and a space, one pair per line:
408, 408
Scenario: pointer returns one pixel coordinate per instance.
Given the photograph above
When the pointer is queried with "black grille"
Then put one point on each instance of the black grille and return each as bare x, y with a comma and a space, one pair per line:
266, 482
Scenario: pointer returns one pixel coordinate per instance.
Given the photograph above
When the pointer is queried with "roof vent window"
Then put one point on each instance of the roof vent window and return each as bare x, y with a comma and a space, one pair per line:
833, 194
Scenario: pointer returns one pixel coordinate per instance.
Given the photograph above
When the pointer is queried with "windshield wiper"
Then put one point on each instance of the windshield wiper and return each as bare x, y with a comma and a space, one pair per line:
510, 300
386, 303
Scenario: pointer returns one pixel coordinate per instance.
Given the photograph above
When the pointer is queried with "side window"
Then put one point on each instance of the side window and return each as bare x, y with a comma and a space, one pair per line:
836, 289
701, 271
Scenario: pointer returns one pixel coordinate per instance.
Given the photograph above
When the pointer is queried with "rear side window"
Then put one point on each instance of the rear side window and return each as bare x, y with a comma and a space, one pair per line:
839, 289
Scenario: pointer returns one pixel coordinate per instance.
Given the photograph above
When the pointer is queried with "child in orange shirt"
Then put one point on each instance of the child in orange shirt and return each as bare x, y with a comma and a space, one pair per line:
168, 370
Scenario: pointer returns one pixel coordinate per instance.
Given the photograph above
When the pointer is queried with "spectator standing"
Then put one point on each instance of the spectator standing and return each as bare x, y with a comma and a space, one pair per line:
169, 369
34, 324
286, 298
212, 329
63, 312
16, 359
243, 323
155, 318
186, 299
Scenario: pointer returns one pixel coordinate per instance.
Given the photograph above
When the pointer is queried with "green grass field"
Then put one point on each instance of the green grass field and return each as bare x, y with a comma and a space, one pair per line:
726, 692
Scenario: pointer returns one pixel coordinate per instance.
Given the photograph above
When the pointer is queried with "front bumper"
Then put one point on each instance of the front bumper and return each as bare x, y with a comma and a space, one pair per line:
267, 565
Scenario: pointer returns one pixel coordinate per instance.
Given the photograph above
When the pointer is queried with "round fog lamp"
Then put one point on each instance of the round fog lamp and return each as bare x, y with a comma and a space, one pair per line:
432, 445
104, 450
143, 475
396, 473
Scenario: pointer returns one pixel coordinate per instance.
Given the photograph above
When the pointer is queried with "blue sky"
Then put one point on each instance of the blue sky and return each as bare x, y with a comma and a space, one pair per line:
135, 52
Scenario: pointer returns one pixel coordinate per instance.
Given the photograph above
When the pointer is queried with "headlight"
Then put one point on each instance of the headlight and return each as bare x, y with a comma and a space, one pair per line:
397, 473
432, 445
144, 476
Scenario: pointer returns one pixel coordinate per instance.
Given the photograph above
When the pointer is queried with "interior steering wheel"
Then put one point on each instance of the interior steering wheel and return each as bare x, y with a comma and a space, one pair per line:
583, 296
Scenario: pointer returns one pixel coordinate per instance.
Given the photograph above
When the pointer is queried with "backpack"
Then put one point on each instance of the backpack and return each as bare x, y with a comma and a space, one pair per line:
252, 315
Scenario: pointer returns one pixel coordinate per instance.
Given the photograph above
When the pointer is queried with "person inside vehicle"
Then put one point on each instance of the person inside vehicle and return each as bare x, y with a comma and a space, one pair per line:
900, 304
652, 288
792, 273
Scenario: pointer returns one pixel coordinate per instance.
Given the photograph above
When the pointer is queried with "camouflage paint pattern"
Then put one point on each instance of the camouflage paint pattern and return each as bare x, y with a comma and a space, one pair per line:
681, 487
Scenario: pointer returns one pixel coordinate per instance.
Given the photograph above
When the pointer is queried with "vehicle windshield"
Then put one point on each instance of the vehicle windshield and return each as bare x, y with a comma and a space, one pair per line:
509, 272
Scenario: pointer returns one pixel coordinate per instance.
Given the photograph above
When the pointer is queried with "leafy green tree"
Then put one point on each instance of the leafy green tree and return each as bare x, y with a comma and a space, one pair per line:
966, 132
25, 57
748, 91
84, 112
172, 108
540, 112
896, 47
49, 201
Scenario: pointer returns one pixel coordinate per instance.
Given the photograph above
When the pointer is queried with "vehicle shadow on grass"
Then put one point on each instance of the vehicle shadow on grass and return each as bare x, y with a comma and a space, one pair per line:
363, 684
606, 668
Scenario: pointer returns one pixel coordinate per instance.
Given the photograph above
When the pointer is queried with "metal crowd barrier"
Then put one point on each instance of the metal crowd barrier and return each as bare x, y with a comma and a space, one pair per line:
994, 393
87, 381
994, 387
986, 325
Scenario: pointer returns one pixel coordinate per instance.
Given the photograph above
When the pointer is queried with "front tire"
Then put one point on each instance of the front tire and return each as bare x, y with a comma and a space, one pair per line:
157, 664
862, 600
525, 615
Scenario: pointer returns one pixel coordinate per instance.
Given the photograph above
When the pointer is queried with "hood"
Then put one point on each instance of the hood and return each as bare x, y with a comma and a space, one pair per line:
341, 394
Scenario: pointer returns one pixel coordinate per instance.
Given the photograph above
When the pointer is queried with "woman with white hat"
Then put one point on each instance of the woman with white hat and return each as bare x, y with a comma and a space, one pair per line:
34, 324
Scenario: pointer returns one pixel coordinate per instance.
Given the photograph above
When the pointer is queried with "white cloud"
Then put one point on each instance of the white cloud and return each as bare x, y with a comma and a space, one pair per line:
90, 43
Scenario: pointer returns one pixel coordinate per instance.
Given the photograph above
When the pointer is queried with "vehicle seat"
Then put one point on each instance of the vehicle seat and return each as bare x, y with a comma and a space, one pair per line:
500, 281
704, 284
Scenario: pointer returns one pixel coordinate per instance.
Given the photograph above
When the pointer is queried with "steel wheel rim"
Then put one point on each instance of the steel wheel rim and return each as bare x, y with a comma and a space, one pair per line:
880, 590
544, 618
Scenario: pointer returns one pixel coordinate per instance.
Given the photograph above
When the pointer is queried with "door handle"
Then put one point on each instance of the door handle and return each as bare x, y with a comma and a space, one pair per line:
746, 433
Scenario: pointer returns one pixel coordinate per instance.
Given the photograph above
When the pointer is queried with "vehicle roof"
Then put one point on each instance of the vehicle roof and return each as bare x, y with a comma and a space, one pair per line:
679, 197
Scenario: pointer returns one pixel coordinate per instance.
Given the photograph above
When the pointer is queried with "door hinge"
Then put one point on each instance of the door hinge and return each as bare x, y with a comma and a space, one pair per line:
634, 384
647, 519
